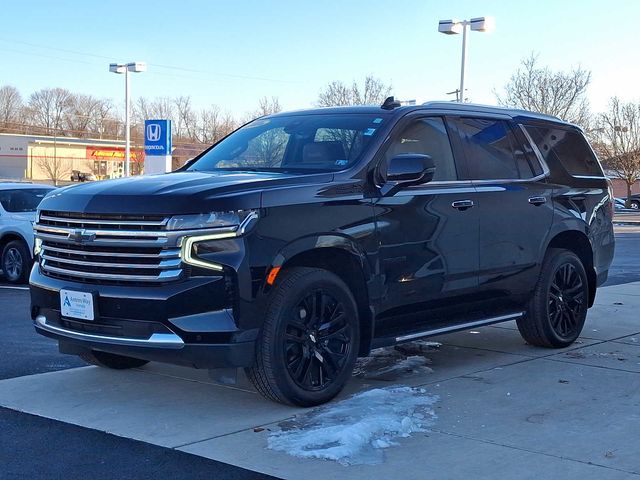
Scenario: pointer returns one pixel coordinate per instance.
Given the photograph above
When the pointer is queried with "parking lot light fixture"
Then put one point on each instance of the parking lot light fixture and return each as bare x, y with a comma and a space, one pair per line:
125, 68
454, 27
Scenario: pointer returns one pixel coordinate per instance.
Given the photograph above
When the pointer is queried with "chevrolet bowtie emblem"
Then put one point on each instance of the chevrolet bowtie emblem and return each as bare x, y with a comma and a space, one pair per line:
81, 236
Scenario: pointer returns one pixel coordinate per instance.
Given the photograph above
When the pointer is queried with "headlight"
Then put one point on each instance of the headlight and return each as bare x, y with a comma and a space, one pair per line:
242, 220
208, 220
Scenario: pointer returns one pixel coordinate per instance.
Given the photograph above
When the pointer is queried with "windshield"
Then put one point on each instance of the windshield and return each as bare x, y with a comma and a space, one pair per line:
23, 199
301, 143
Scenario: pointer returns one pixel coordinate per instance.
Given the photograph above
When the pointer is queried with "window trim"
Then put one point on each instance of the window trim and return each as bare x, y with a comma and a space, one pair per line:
545, 168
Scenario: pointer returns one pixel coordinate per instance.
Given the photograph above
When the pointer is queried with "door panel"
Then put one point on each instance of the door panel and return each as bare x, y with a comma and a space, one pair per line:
515, 205
515, 219
428, 243
428, 248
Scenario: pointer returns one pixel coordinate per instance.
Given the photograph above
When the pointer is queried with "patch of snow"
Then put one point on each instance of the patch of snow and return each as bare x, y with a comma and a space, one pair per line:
357, 430
396, 362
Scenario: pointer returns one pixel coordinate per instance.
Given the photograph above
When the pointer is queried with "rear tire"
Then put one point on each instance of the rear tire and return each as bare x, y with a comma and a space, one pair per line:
635, 204
309, 340
558, 309
16, 262
111, 360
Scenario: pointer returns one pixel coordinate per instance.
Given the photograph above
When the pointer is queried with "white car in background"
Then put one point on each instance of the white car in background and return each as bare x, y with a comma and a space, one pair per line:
18, 204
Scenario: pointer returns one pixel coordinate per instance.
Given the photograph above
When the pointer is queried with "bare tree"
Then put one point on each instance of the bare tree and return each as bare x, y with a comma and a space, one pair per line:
105, 119
10, 106
268, 106
619, 141
82, 114
185, 121
372, 92
56, 169
48, 107
160, 107
540, 89
141, 110
213, 125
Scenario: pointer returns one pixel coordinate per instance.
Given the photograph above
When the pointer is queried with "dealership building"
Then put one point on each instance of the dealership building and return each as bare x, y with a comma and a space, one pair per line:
41, 158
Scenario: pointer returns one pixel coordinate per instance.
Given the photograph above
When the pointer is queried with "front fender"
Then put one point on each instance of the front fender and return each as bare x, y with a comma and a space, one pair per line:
320, 241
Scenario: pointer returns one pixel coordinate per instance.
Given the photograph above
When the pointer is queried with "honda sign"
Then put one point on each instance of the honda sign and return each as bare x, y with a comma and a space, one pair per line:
157, 137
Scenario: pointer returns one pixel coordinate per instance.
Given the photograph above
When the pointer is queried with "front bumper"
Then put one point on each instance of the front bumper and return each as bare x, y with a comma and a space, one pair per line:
188, 323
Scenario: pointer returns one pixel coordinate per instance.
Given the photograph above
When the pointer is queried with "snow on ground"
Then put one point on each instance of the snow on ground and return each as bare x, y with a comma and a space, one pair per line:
396, 362
356, 430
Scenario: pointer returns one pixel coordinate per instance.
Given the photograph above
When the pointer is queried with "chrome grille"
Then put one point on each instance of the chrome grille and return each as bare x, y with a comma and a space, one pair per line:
95, 248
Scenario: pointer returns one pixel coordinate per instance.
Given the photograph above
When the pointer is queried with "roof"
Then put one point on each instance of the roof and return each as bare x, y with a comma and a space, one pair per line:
515, 113
61, 140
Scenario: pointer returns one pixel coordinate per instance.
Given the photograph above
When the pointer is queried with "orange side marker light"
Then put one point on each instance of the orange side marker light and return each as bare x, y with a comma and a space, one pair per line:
271, 278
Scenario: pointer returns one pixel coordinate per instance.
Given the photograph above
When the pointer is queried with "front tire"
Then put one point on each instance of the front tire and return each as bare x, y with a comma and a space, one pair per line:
558, 309
635, 204
111, 360
16, 262
309, 340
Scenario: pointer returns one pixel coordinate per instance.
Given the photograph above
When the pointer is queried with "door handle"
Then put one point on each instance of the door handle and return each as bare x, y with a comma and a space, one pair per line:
537, 200
462, 204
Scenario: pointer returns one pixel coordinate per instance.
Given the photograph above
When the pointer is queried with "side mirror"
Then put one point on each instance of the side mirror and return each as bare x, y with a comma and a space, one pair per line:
406, 170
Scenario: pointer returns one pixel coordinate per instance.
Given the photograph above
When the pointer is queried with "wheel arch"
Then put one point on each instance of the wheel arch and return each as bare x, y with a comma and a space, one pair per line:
577, 242
343, 257
10, 236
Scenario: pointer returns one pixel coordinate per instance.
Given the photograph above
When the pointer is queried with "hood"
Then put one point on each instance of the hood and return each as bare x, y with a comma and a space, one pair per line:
175, 193
22, 216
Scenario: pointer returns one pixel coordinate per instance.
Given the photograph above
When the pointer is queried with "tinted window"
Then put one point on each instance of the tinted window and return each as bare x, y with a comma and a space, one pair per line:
426, 136
296, 142
567, 148
23, 199
489, 148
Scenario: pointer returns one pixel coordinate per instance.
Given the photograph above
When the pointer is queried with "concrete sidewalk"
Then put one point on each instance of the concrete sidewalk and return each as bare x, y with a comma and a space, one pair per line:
507, 410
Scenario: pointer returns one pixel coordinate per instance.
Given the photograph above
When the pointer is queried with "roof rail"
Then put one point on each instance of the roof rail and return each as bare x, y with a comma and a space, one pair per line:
491, 109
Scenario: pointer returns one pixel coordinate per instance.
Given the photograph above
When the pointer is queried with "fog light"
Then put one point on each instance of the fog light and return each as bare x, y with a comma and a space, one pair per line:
37, 247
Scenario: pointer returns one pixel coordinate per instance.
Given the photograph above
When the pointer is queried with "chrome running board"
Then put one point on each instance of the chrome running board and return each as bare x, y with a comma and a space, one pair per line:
459, 326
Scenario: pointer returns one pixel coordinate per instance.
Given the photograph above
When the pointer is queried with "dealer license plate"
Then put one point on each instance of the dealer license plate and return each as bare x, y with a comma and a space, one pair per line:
76, 304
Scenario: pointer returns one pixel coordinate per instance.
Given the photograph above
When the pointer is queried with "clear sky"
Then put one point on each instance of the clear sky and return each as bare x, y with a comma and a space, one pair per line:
233, 52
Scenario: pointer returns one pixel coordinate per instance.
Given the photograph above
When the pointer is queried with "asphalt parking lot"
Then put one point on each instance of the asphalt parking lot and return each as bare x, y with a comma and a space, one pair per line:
504, 409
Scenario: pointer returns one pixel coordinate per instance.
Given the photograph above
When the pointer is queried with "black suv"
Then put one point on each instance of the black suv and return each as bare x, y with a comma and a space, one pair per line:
305, 239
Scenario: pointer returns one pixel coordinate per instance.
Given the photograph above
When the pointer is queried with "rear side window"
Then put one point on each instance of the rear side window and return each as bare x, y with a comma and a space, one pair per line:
490, 148
567, 148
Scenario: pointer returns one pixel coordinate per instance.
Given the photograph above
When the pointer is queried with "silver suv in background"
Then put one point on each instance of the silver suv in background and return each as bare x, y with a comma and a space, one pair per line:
18, 204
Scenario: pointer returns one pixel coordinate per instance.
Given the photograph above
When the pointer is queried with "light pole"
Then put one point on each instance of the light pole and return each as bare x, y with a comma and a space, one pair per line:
453, 27
125, 68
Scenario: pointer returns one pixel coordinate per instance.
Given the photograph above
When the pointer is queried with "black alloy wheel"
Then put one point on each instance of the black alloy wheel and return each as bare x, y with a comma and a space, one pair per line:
557, 310
309, 339
317, 340
567, 301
